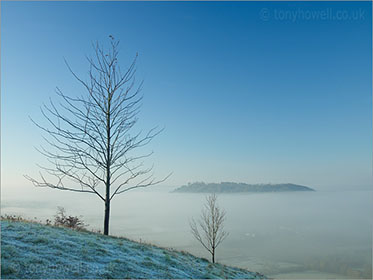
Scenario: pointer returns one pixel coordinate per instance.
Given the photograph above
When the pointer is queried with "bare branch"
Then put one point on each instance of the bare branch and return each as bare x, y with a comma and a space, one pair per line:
90, 139
211, 222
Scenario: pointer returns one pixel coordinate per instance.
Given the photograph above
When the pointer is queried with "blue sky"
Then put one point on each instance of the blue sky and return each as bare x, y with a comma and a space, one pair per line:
245, 91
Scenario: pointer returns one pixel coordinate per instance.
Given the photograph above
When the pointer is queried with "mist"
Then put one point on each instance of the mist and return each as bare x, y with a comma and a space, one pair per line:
322, 234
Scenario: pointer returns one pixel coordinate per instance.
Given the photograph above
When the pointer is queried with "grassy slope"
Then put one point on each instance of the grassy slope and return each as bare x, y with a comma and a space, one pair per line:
30, 250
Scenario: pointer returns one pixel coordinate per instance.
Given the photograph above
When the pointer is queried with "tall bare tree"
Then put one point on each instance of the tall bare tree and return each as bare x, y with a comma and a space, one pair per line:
90, 139
211, 224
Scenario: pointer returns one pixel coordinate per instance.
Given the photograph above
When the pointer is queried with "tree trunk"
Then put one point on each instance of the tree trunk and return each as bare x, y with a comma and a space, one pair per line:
107, 203
107, 215
108, 159
213, 255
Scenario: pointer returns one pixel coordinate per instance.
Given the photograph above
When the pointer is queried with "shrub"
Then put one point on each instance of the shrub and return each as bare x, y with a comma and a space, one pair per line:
74, 222
12, 218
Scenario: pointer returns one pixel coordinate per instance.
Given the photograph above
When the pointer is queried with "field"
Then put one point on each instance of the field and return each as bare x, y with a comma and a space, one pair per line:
31, 250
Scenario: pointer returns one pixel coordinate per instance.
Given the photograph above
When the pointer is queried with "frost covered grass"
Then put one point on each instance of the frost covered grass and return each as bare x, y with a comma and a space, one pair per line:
33, 251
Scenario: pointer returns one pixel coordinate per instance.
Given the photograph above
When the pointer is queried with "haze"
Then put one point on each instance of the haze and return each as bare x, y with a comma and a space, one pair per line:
244, 92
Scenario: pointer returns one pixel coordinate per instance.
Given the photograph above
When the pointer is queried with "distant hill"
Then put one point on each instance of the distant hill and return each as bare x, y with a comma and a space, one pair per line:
229, 187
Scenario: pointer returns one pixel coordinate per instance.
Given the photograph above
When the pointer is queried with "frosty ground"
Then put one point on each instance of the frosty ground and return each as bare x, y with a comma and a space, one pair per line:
31, 250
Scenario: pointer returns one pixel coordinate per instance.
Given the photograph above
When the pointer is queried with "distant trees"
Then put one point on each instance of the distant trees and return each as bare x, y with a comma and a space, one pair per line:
211, 223
90, 137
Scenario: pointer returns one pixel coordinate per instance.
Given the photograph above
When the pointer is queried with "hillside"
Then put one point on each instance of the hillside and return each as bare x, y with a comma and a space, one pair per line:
229, 187
34, 251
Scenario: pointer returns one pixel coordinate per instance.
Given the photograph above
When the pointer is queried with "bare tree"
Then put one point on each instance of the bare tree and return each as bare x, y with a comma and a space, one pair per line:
90, 137
211, 223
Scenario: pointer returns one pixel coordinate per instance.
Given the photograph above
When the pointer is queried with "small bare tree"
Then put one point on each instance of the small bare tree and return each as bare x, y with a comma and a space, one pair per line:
211, 223
90, 137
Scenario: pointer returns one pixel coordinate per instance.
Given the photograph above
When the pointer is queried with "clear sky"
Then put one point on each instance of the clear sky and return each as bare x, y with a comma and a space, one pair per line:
247, 92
